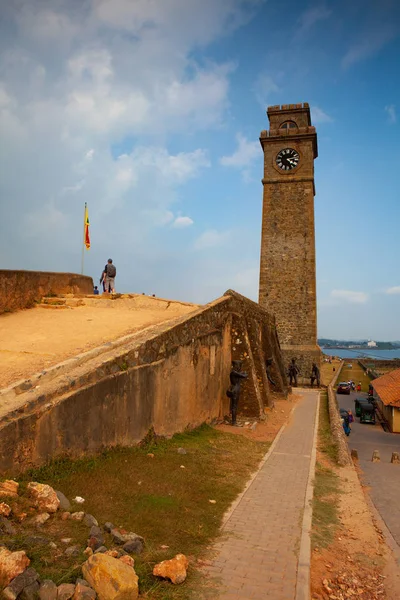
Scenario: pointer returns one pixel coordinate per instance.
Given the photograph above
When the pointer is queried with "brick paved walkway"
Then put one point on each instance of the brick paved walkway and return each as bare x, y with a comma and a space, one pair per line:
256, 557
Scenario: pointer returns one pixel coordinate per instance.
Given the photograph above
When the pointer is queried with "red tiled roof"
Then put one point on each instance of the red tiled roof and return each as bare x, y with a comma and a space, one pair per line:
388, 388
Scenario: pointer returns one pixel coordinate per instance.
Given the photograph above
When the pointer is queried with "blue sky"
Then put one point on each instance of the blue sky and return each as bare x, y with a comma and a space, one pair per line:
151, 111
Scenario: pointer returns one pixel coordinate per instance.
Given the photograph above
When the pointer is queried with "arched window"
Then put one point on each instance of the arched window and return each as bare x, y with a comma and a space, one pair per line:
288, 125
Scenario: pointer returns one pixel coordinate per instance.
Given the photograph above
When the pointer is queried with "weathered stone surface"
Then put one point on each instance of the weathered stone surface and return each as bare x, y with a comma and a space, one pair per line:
395, 460
48, 590
83, 592
65, 504
101, 549
376, 457
128, 560
89, 520
174, 569
135, 545
40, 519
5, 510
66, 515
25, 579
113, 553
65, 591
82, 582
118, 537
73, 550
96, 538
131, 542
77, 516
108, 527
111, 578
12, 564
44, 495
8, 488
30, 592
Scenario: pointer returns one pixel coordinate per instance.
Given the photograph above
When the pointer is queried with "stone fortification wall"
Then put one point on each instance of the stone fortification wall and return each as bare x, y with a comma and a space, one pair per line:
21, 289
169, 377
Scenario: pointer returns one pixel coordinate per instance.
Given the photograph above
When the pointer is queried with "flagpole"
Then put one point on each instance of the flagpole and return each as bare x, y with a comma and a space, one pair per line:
83, 237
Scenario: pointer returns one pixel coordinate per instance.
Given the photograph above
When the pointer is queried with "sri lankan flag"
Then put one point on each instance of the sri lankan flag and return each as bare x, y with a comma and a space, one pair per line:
86, 236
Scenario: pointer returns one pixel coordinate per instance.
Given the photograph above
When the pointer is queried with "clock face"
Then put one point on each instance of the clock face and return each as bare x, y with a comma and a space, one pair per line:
287, 159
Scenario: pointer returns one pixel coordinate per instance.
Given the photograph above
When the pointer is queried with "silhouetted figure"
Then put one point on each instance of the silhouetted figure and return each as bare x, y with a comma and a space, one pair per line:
315, 375
293, 371
235, 377
268, 364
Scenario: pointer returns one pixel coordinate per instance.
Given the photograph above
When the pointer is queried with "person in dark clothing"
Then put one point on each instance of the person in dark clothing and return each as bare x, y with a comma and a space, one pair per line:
315, 375
96, 291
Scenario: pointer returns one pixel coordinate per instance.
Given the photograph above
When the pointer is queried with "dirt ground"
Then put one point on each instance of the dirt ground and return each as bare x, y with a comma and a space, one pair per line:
34, 339
264, 431
358, 564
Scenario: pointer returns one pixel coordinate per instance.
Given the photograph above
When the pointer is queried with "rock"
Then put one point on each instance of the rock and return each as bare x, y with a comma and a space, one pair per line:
83, 592
9, 488
5, 510
65, 591
40, 519
174, 569
135, 545
88, 551
118, 537
6, 527
101, 549
77, 516
182, 451
65, 504
28, 577
66, 540
113, 553
30, 592
44, 496
79, 500
48, 590
376, 456
111, 578
108, 527
73, 550
12, 564
128, 560
150, 455
96, 538
66, 515
395, 460
53, 545
89, 520
82, 582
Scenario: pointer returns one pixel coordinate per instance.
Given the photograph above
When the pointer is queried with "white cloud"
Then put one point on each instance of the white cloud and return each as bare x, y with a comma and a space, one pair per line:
312, 16
350, 296
319, 116
264, 88
211, 238
369, 44
391, 111
393, 290
245, 154
181, 222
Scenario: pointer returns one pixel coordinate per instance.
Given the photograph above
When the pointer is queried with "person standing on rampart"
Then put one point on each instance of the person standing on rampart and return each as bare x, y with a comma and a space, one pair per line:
110, 273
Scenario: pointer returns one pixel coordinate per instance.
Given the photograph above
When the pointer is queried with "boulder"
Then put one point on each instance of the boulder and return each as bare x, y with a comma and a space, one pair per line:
111, 578
96, 538
82, 582
25, 579
73, 551
8, 488
89, 520
77, 516
65, 591
44, 495
48, 590
5, 510
12, 564
134, 545
128, 560
65, 504
83, 592
132, 540
108, 527
174, 569
30, 592
40, 519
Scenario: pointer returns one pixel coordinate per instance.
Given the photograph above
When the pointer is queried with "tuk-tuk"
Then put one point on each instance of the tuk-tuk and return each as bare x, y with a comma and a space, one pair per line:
367, 413
359, 402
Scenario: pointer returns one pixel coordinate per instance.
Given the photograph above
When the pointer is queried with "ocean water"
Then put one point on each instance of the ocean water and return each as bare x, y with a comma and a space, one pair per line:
361, 353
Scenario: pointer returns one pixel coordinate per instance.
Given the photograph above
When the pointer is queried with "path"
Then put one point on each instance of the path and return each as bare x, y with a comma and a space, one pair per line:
257, 557
382, 478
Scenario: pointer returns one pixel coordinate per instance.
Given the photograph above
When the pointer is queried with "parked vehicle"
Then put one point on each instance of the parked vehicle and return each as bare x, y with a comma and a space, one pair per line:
359, 402
367, 413
343, 388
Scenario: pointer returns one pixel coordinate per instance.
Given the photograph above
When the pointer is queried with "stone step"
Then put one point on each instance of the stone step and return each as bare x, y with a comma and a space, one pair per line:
53, 301
54, 306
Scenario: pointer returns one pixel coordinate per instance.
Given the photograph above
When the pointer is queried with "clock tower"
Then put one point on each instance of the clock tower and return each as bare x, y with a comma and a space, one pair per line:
287, 268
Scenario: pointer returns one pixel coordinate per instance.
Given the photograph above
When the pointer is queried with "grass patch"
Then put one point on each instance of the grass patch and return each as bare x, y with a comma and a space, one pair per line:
325, 507
326, 442
154, 497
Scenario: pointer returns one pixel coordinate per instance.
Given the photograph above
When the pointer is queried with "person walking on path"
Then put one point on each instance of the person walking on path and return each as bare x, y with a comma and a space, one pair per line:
110, 273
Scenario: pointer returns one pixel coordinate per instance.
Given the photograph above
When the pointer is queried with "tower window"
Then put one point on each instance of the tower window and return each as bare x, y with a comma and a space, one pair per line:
288, 125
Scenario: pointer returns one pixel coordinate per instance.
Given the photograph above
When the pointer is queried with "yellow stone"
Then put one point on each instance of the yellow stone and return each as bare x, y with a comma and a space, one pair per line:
111, 578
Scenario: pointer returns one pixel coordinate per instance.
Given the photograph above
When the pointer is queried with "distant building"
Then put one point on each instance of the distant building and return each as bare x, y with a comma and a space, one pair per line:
371, 344
387, 396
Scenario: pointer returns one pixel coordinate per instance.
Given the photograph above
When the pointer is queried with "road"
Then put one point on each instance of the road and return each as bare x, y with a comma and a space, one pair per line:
383, 478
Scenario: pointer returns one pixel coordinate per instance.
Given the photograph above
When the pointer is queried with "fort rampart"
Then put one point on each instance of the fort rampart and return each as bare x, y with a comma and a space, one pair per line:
22, 289
169, 377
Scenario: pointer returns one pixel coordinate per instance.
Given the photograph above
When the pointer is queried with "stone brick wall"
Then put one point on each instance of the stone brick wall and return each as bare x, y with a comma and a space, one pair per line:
287, 265
21, 289
170, 377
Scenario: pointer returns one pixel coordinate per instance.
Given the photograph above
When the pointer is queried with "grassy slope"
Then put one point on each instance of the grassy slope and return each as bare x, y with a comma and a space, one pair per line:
153, 497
